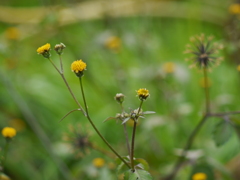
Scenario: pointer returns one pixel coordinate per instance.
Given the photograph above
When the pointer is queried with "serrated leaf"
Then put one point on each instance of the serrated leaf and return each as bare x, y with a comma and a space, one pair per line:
142, 163
122, 168
137, 175
222, 133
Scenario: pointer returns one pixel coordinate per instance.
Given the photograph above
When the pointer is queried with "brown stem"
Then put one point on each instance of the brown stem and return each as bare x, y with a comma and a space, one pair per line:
188, 145
133, 136
206, 87
66, 83
95, 128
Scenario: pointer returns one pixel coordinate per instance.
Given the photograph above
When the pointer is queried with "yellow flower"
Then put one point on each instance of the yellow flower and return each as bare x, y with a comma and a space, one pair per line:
78, 67
234, 8
169, 67
12, 33
98, 162
238, 67
44, 50
113, 43
17, 124
143, 93
199, 176
9, 132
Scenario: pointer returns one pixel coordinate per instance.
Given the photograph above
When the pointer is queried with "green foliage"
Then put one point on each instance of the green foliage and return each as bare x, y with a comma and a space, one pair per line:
137, 175
223, 131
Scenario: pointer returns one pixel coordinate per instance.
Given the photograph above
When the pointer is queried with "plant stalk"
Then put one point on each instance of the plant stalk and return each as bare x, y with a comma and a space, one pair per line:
188, 145
95, 128
66, 83
133, 136
206, 88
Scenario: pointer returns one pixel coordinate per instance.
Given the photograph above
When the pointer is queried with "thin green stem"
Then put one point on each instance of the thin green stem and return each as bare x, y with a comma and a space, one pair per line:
126, 137
125, 132
95, 128
61, 64
206, 87
66, 83
133, 136
5, 151
83, 95
188, 145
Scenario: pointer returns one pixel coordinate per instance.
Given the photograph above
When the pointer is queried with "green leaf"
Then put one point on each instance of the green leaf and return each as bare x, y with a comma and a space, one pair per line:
137, 175
223, 131
122, 168
142, 163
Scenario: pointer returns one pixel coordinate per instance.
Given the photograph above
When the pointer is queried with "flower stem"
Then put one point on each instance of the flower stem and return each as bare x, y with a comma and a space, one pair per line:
5, 151
126, 136
95, 128
133, 136
66, 83
206, 87
125, 132
188, 145
61, 64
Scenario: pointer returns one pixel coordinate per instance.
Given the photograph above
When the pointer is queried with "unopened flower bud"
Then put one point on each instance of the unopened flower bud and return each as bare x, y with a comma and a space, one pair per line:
119, 98
59, 48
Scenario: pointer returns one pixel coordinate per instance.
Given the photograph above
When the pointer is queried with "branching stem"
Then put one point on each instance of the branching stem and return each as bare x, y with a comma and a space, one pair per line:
95, 128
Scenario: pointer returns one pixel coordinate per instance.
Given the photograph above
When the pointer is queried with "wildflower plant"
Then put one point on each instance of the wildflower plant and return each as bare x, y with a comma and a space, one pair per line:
205, 56
131, 167
8, 133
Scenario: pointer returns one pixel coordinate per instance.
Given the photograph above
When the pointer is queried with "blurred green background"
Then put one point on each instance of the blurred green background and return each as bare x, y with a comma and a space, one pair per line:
127, 45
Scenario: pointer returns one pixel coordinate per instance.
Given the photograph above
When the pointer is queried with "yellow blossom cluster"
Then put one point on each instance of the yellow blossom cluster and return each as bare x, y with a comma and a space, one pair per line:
234, 8
113, 43
43, 49
169, 67
143, 93
98, 162
78, 66
199, 176
9, 132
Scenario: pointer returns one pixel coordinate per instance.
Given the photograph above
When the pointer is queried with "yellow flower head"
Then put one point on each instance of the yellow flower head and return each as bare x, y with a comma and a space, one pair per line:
78, 67
238, 67
44, 50
234, 8
113, 43
143, 93
169, 67
98, 162
12, 33
9, 132
199, 176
